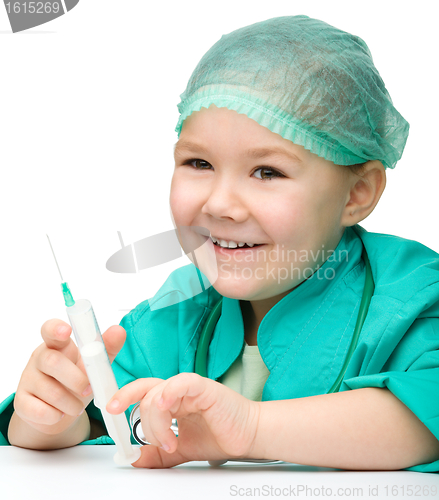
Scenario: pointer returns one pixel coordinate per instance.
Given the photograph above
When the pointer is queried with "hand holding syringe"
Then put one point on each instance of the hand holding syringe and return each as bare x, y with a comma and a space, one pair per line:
54, 390
100, 374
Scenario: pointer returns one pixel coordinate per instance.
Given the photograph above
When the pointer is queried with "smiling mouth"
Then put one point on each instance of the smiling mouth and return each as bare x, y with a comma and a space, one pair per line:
245, 247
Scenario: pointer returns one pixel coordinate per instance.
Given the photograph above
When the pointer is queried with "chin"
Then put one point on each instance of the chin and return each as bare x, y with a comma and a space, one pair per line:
235, 289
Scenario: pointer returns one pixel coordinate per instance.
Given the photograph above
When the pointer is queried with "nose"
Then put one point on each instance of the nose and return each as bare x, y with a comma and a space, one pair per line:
223, 201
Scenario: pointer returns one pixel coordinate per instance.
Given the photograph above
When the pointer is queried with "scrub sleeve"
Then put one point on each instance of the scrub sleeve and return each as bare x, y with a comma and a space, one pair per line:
411, 372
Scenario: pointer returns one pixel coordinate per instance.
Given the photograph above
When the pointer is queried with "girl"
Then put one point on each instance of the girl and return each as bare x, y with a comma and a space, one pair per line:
285, 133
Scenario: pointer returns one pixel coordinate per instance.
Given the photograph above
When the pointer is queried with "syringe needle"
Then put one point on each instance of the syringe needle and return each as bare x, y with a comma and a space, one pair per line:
68, 299
55, 257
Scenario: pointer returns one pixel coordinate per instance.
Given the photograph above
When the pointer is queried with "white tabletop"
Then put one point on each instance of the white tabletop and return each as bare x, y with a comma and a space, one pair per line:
88, 472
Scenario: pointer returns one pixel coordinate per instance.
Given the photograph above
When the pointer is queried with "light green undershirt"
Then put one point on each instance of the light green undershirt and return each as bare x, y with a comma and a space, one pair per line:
248, 374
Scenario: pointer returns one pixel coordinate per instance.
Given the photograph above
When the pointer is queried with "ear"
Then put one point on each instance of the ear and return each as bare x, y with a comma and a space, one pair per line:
365, 190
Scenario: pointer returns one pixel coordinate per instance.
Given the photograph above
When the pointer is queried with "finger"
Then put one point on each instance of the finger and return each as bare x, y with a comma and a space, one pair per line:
157, 409
56, 365
160, 422
50, 391
131, 393
35, 411
155, 458
145, 420
191, 386
114, 339
56, 335
177, 408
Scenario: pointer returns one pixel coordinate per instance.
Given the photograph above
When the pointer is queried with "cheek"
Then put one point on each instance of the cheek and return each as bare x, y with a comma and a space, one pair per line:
297, 215
182, 200
286, 213
329, 204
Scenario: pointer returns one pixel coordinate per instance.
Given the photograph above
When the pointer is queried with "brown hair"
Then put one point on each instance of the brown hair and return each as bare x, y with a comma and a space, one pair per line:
357, 169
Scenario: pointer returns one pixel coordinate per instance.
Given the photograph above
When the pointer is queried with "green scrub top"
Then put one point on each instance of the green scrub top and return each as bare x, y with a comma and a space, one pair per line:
303, 339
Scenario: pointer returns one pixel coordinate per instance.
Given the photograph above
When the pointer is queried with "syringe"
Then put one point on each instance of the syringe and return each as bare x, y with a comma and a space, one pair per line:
99, 371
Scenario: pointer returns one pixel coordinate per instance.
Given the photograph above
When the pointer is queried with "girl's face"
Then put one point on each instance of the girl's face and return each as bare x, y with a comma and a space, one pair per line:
247, 184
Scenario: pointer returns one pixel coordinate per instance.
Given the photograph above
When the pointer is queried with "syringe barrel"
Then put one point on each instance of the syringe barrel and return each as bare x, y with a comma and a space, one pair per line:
101, 376
93, 352
84, 324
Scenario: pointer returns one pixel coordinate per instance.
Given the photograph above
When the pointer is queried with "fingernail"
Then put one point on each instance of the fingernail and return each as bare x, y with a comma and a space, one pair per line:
62, 329
165, 447
114, 404
62, 416
160, 401
81, 412
87, 390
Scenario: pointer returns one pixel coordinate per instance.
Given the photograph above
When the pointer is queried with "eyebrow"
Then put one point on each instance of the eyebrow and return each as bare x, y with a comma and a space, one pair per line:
255, 154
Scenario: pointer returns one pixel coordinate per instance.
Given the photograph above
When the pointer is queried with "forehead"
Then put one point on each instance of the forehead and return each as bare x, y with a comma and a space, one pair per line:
184, 146
216, 128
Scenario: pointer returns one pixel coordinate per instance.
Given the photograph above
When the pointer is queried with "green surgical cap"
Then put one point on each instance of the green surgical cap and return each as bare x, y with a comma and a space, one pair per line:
307, 81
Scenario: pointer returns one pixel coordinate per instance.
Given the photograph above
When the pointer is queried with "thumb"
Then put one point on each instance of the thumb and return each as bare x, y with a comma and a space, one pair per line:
114, 339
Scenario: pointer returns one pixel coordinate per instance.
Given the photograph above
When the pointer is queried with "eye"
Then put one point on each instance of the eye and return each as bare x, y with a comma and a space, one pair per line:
267, 173
198, 164
271, 173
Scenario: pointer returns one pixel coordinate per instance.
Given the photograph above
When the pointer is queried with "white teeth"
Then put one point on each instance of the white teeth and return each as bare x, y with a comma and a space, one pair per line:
230, 244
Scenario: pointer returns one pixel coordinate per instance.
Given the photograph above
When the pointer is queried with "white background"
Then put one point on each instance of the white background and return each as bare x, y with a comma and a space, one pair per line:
88, 107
